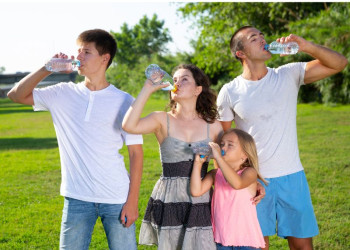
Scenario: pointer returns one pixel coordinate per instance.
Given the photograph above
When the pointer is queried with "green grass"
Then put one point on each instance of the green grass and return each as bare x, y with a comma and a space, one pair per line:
31, 207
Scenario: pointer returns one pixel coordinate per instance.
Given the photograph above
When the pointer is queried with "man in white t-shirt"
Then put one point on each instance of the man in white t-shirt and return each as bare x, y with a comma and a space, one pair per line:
263, 102
88, 122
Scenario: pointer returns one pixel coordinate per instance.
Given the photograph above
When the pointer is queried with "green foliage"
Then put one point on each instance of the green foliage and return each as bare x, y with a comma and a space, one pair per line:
138, 47
217, 22
31, 207
325, 24
144, 39
131, 78
331, 29
2, 69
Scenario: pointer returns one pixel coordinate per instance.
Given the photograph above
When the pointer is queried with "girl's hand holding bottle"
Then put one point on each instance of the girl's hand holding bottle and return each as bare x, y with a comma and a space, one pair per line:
200, 159
217, 152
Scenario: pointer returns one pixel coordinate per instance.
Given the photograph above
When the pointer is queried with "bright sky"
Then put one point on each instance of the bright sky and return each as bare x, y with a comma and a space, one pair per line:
32, 32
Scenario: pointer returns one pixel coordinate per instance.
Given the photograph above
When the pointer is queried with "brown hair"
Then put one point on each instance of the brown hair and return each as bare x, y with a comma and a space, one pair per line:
236, 44
206, 101
249, 148
104, 42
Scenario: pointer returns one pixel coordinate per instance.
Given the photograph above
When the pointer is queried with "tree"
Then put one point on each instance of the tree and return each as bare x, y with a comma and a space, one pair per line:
218, 21
331, 29
139, 46
144, 39
2, 69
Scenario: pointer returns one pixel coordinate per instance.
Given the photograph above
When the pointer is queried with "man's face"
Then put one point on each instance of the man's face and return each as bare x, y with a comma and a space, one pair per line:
253, 42
90, 60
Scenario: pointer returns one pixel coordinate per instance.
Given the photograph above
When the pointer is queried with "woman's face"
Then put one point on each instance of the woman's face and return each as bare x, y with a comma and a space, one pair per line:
186, 84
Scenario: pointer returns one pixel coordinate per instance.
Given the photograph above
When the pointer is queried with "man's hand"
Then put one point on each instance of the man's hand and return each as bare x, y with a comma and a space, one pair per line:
260, 193
293, 38
302, 43
129, 214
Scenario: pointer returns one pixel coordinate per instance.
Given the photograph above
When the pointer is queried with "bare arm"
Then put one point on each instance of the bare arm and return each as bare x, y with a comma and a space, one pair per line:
130, 208
235, 180
226, 125
197, 185
217, 131
23, 91
132, 122
328, 62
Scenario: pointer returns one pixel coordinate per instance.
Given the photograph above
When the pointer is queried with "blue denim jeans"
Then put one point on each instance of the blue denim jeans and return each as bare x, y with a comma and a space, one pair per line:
221, 247
78, 221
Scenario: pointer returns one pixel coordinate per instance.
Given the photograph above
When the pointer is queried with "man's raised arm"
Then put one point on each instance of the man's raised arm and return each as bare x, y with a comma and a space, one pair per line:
23, 91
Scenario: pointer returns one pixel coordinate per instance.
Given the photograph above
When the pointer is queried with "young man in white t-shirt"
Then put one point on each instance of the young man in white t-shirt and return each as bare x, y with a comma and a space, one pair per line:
88, 122
263, 102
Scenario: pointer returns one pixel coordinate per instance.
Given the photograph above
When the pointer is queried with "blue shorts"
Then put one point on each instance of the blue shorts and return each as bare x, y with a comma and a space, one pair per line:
288, 203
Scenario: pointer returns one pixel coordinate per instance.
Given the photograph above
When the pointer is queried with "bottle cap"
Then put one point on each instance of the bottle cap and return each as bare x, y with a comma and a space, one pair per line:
76, 63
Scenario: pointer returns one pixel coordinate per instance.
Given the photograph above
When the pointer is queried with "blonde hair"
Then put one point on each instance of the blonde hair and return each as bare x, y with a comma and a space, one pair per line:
249, 148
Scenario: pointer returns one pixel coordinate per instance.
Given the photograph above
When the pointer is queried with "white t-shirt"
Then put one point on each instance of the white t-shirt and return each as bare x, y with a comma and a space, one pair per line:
266, 109
89, 135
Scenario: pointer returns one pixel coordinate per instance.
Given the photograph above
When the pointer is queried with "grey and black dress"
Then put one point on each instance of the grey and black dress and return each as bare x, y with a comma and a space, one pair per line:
174, 219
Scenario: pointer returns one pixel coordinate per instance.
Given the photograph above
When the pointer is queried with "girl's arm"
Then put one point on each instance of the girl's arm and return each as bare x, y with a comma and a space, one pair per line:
217, 130
197, 185
248, 177
132, 122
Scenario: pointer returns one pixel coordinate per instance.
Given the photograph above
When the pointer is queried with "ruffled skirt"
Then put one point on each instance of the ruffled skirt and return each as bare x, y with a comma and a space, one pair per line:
174, 219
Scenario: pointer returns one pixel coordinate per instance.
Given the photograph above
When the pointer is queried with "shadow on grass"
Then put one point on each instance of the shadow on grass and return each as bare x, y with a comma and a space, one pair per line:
12, 105
12, 111
27, 143
9, 107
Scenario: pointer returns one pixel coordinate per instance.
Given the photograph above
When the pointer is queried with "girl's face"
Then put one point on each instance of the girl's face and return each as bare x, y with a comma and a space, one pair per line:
232, 149
186, 84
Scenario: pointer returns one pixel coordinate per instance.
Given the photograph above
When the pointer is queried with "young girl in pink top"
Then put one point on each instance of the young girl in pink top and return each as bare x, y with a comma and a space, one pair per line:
233, 214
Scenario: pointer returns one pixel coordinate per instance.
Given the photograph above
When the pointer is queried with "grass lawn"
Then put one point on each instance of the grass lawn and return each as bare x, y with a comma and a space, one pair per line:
31, 207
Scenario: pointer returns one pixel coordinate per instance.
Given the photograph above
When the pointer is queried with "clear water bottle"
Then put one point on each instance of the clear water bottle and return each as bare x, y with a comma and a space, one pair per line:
282, 48
61, 64
203, 149
158, 76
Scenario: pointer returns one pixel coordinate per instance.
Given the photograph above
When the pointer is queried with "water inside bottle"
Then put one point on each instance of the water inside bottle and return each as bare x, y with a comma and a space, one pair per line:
61, 64
158, 76
202, 149
282, 48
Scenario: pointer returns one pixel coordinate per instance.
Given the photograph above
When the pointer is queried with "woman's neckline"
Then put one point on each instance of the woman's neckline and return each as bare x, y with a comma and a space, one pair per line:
183, 140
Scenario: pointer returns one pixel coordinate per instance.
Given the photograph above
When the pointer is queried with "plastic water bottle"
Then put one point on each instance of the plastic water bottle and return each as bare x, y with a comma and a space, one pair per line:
282, 48
61, 64
158, 76
203, 149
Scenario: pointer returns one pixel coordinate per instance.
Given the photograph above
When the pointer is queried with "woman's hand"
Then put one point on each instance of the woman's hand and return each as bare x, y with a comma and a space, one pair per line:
154, 87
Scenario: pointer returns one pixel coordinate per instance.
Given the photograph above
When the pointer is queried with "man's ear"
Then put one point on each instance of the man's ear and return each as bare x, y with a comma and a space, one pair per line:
240, 54
106, 57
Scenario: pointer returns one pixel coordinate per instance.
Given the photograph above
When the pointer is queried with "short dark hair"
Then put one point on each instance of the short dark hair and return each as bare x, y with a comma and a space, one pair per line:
206, 101
104, 42
236, 44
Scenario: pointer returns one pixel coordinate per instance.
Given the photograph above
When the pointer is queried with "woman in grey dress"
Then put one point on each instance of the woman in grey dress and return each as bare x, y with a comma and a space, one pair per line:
174, 219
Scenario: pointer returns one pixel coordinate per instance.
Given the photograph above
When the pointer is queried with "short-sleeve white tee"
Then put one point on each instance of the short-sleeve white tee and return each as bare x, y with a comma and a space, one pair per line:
89, 135
266, 109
